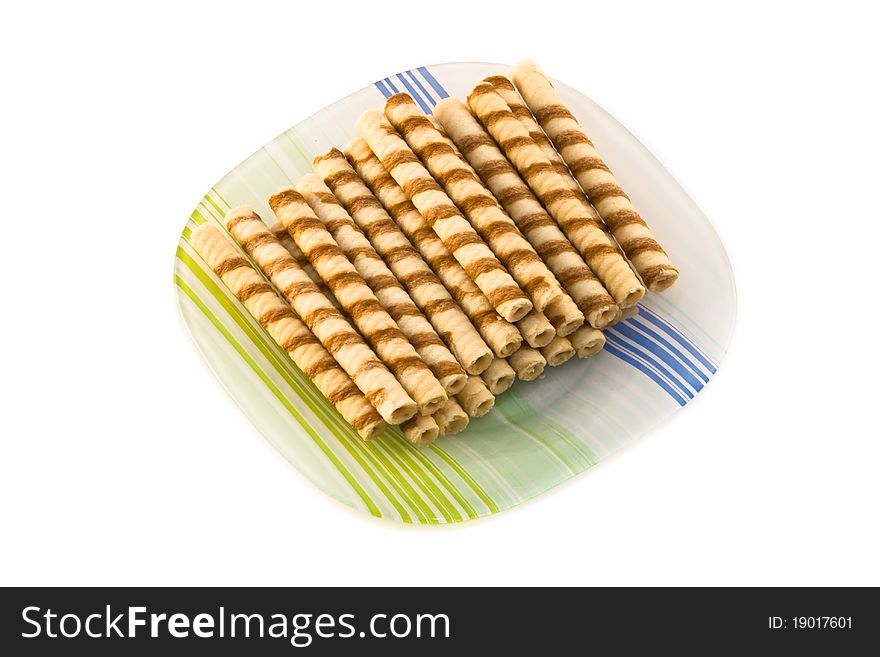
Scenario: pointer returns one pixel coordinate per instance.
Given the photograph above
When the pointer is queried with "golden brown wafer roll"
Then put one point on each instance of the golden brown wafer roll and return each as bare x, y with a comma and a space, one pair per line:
558, 351
421, 430
451, 418
528, 363
587, 341
528, 213
499, 376
281, 234
324, 320
444, 217
286, 330
382, 282
571, 213
626, 314
349, 288
471, 196
501, 336
536, 329
405, 262
476, 399
594, 176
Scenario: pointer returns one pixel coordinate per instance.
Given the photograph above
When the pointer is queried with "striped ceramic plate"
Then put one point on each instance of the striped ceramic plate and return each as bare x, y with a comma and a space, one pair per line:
540, 433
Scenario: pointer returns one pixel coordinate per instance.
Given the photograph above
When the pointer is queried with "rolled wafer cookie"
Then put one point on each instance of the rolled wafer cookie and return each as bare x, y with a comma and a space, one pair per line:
474, 200
350, 289
287, 330
328, 324
587, 341
476, 399
528, 363
594, 176
528, 213
281, 234
444, 217
499, 376
451, 418
405, 262
536, 329
500, 335
571, 213
383, 283
421, 430
558, 351
632, 311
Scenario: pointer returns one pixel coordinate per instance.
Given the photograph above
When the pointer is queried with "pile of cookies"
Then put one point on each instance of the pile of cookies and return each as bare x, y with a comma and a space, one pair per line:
414, 277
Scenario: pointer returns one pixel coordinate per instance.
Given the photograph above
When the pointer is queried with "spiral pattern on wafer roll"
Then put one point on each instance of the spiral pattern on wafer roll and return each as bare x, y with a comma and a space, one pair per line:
501, 336
583, 230
383, 283
475, 201
594, 176
444, 217
407, 265
349, 288
287, 330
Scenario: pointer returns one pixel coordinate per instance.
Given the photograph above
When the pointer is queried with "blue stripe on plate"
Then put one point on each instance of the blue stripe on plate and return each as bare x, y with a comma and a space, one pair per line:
412, 92
380, 85
391, 85
433, 82
672, 332
660, 351
647, 330
646, 358
614, 351
430, 100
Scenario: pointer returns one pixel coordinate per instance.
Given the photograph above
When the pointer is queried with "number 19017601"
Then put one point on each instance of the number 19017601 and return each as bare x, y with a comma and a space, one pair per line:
810, 623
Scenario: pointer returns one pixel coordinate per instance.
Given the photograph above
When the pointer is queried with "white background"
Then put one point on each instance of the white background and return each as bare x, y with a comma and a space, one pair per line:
123, 462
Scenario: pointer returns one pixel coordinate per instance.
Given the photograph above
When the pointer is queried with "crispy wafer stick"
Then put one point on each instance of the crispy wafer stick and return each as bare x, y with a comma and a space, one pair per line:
632, 311
420, 430
471, 196
570, 212
348, 286
528, 363
499, 376
281, 234
451, 418
444, 217
405, 262
476, 399
528, 213
328, 324
536, 329
596, 179
501, 336
382, 282
286, 330
587, 341
558, 351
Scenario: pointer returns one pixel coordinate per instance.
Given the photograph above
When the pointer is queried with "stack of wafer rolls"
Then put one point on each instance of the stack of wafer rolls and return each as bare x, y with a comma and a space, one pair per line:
587, 341
383, 283
350, 289
499, 376
475, 398
573, 215
329, 325
281, 234
287, 330
528, 363
405, 262
500, 335
444, 217
528, 213
594, 176
478, 205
